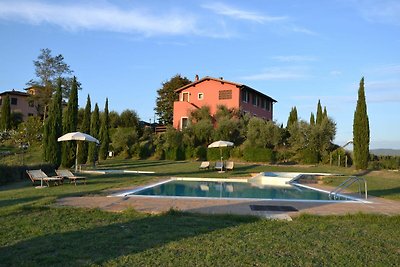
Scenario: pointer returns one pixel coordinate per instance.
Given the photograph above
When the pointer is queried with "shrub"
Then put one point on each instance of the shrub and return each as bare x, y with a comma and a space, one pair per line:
200, 153
258, 154
10, 174
175, 153
215, 153
309, 156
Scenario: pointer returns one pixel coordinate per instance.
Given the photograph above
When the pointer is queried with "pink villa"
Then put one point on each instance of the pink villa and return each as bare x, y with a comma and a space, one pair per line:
212, 92
20, 102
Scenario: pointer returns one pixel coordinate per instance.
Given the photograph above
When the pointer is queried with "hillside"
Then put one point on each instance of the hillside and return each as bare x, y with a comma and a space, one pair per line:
385, 152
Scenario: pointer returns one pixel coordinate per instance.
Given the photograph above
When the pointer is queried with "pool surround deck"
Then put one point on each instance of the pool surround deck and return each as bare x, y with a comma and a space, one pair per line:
232, 206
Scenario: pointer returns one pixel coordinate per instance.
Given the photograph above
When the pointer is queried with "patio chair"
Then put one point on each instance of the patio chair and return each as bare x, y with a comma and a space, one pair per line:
229, 166
219, 165
39, 175
69, 175
204, 165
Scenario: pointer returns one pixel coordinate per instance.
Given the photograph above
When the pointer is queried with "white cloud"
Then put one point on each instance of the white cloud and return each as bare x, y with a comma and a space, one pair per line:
303, 30
229, 11
278, 73
294, 58
335, 72
382, 11
104, 17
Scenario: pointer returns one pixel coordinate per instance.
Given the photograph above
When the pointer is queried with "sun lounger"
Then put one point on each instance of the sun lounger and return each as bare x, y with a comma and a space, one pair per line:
229, 166
69, 175
39, 175
204, 165
219, 165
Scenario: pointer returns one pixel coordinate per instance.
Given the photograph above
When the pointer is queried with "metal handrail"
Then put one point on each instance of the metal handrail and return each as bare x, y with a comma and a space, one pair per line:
348, 182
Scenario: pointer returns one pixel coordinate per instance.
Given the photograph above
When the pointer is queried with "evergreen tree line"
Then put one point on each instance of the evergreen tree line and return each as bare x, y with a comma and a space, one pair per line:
64, 120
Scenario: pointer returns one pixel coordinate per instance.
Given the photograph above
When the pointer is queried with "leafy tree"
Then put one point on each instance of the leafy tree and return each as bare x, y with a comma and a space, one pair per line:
262, 134
48, 70
70, 125
167, 96
129, 118
320, 115
228, 125
361, 130
293, 119
104, 133
83, 149
53, 129
5, 123
114, 119
124, 139
16, 119
200, 129
31, 130
93, 152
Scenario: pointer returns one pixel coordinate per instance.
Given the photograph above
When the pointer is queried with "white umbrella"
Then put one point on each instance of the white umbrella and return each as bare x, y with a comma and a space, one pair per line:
77, 136
220, 144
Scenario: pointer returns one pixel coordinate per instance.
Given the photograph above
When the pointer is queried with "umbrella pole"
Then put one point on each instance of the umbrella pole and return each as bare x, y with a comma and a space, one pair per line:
76, 156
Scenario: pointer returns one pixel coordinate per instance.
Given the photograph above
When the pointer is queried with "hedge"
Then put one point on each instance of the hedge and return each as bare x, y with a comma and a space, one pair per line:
11, 174
258, 154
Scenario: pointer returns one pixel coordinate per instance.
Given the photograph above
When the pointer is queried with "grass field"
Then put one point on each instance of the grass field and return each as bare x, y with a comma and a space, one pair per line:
36, 232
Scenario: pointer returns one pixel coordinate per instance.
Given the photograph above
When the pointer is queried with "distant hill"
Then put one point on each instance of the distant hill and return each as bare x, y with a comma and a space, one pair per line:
385, 152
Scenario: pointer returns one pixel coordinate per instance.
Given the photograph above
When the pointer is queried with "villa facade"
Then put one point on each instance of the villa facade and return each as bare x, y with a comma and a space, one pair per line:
213, 92
20, 102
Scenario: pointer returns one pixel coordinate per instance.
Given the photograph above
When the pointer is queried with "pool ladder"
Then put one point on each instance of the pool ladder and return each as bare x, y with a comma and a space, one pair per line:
351, 180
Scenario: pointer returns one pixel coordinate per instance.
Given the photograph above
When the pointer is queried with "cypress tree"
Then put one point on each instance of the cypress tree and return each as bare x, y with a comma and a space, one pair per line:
83, 148
93, 152
5, 114
361, 130
53, 129
69, 125
312, 119
324, 114
319, 113
292, 117
104, 133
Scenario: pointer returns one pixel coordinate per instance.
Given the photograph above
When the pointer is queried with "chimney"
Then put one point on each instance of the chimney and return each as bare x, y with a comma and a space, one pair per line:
221, 78
196, 78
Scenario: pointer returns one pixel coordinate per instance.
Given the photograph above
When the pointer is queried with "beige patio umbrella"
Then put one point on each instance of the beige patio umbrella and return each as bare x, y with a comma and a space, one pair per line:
77, 136
220, 144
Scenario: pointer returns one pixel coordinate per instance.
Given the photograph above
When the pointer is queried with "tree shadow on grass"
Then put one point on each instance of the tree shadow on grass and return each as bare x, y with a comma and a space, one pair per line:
101, 244
385, 192
15, 201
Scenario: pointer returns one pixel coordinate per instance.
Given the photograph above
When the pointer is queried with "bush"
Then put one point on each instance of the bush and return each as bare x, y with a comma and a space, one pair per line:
145, 149
308, 156
11, 174
214, 154
200, 153
258, 154
237, 152
175, 153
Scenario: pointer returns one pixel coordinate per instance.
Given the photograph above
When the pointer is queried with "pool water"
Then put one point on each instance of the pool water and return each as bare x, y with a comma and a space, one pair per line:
218, 189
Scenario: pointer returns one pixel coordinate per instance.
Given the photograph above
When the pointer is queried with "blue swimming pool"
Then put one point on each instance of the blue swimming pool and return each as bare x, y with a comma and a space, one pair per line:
232, 190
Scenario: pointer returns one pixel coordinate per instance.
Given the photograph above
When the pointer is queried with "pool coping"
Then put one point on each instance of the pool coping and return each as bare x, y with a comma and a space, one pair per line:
241, 180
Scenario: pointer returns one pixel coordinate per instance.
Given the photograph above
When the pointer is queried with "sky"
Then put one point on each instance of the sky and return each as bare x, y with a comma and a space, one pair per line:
297, 52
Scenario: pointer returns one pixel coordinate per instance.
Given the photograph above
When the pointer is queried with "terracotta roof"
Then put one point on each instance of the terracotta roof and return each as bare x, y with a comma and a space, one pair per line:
13, 92
239, 85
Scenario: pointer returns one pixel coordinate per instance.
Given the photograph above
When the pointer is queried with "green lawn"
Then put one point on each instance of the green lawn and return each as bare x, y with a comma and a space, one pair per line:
35, 232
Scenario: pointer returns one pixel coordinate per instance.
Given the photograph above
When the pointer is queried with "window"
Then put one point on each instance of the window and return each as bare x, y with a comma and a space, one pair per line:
185, 97
268, 105
30, 114
14, 101
245, 96
184, 122
256, 100
264, 103
31, 103
225, 94
200, 96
